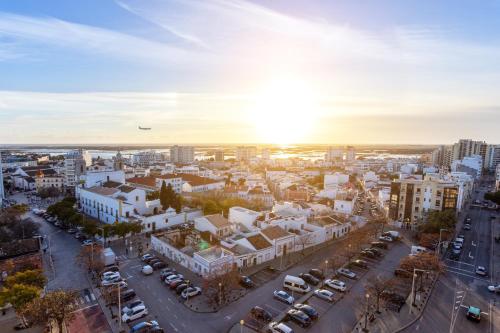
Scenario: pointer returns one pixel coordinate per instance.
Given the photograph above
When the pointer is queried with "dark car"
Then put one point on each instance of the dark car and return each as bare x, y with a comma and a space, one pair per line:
246, 282
368, 254
175, 283
307, 309
150, 259
359, 263
259, 313
180, 288
317, 273
153, 261
380, 245
112, 268
166, 272
158, 265
309, 278
127, 295
299, 317
377, 252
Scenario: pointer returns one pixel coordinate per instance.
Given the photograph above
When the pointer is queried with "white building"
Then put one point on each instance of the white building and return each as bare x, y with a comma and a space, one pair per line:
370, 180
344, 206
216, 224
492, 157
97, 178
192, 183
282, 241
472, 165
243, 216
245, 153
75, 166
2, 190
182, 154
334, 180
145, 158
350, 154
334, 154
497, 177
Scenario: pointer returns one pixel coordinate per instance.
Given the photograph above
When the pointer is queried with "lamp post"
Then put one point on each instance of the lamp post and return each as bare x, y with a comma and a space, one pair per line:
367, 298
439, 243
242, 322
415, 270
326, 268
220, 293
117, 284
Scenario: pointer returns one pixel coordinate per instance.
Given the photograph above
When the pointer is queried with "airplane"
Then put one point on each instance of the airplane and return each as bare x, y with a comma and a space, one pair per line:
145, 128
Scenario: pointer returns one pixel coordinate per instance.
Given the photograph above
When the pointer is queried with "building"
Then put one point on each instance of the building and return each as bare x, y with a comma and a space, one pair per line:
350, 154
492, 157
334, 154
215, 224
497, 177
245, 153
334, 180
219, 155
182, 154
472, 165
282, 241
192, 183
24, 178
49, 180
97, 178
118, 162
411, 198
145, 158
266, 154
75, 165
466, 147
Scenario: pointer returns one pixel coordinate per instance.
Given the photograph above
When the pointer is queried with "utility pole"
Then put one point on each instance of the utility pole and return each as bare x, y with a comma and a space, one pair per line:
439, 243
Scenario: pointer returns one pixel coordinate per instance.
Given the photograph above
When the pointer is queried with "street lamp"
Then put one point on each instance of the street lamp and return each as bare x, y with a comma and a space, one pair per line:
242, 322
367, 298
119, 306
439, 243
415, 270
326, 268
220, 293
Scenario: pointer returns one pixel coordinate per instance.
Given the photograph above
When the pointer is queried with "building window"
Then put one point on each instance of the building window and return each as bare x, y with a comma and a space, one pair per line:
438, 203
136, 198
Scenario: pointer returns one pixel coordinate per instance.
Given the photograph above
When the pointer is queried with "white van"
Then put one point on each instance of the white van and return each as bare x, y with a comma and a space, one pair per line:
296, 284
417, 250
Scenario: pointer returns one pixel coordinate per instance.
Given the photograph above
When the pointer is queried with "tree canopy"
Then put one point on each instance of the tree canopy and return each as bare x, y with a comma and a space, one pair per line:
493, 196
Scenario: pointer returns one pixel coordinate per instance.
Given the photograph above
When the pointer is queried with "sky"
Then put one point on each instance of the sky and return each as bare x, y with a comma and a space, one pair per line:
269, 71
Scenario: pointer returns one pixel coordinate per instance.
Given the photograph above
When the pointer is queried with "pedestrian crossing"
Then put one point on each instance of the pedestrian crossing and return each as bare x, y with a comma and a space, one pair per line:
121, 257
85, 298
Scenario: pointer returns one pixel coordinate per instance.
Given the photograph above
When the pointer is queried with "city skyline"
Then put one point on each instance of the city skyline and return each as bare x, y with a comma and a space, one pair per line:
248, 72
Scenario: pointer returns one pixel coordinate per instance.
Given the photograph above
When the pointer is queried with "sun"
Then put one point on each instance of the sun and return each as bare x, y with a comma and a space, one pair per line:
284, 111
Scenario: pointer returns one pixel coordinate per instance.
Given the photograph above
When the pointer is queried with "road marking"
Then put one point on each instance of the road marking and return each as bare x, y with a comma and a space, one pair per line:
470, 256
175, 328
473, 243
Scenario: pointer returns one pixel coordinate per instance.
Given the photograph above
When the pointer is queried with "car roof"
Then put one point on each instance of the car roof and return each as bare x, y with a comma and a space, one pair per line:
474, 310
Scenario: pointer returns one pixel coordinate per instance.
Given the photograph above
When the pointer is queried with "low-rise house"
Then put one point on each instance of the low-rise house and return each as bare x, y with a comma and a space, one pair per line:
216, 224
282, 241
193, 183
43, 181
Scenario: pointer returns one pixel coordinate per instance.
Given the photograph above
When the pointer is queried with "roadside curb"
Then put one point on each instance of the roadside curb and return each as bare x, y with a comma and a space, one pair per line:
402, 328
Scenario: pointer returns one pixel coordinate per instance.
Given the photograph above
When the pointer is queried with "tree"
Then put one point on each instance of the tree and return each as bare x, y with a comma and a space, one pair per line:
437, 220
125, 228
163, 195
304, 241
75, 220
14, 227
493, 196
377, 287
211, 207
153, 195
241, 181
19, 295
57, 306
90, 257
219, 285
32, 277
422, 261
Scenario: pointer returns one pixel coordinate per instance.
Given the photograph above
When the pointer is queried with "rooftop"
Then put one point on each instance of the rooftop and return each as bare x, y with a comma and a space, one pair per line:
217, 220
259, 242
274, 232
213, 253
102, 190
145, 181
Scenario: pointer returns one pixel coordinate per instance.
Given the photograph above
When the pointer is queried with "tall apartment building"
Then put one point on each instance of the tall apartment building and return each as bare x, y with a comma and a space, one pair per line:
497, 177
350, 154
75, 164
266, 154
492, 157
182, 154
411, 198
466, 147
334, 154
145, 158
219, 155
245, 153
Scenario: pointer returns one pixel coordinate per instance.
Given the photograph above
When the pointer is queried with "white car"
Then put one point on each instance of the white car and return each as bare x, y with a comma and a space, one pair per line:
347, 273
283, 296
385, 238
135, 313
110, 275
480, 270
324, 294
112, 281
494, 289
275, 327
336, 284
190, 292
131, 305
171, 278
147, 270
146, 257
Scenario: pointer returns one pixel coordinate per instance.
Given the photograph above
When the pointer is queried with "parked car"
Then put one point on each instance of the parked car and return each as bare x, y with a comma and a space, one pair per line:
246, 282
283, 296
135, 313
275, 327
190, 292
173, 284
127, 295
159, 265
317, 273
131, 305
307, 309
309, 278
167, 272
336, 284
359, 263
153, 261
324, 294
173, 277
380, 245
112, 268
72, 230
347, 273
369, 254
110, 275
112, 281
480, 270
385, 238
299, 317
147, 327
375, 251
494, 289
467, 226
147, 256
87, 242
180, 288
147, 270
261, 314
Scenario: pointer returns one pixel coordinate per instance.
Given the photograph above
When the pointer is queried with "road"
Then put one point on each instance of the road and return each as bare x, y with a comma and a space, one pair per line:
459, 286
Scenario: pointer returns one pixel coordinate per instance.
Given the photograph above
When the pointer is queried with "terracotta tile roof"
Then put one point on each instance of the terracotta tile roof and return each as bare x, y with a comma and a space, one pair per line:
126, 188
169, 176
274, 232
259, 242
217, 220
111, 184
146, 181
194, 180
